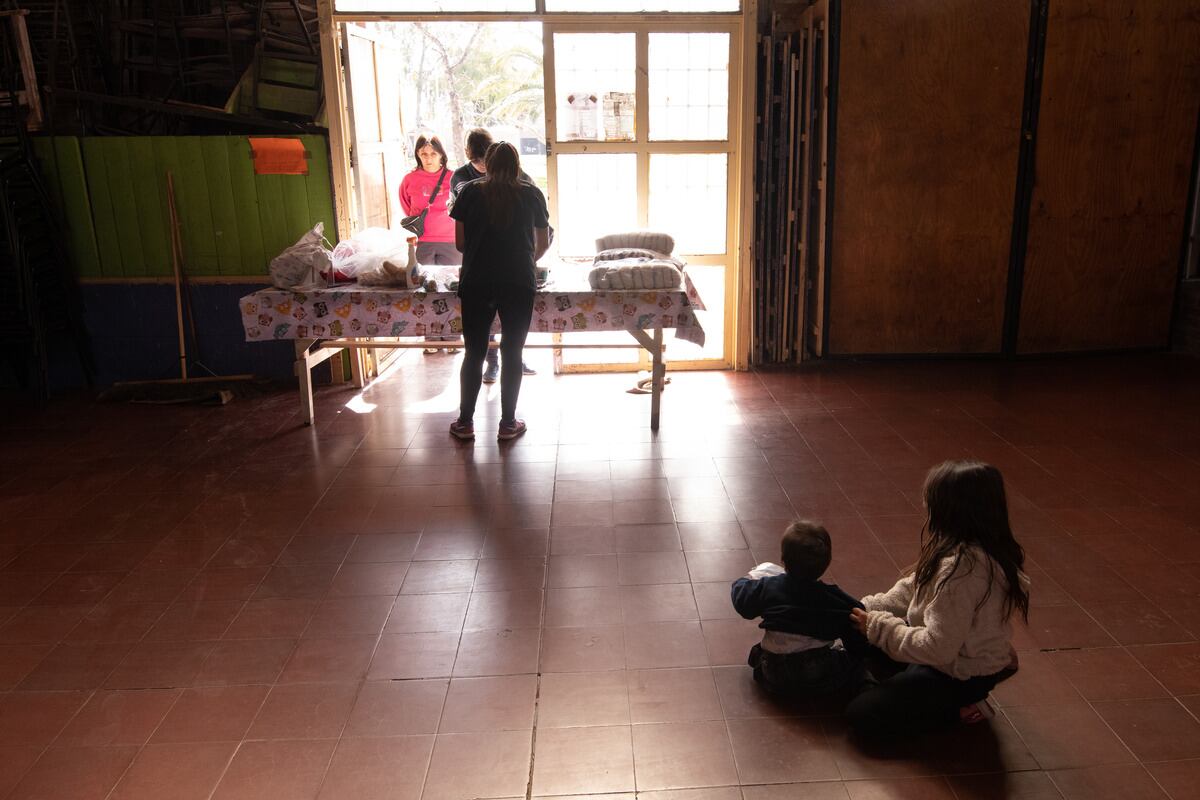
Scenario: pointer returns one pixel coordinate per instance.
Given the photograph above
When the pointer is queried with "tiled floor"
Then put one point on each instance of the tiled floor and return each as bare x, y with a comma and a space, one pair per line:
200, 602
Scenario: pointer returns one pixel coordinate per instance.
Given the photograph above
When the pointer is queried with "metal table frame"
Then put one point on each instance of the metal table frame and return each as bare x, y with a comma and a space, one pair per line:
311, 352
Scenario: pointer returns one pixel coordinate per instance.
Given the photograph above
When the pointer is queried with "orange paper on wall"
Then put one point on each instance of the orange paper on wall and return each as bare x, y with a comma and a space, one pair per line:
279, 156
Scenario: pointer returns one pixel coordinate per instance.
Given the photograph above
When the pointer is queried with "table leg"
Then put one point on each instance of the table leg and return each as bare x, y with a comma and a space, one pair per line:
304, 375
657, 373
357, 370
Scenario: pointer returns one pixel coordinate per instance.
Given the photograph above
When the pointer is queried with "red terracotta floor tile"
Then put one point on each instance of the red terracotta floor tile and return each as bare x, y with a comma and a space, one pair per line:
570, 699
1178, 778
585, 605
901, 789
1176, 665
583, 649
479, 765
1114, 782
679, 755
1138, 622
653, 645
76, 666
383, 548
510, 574
18, 660
504, 609
15, 761
329, 660
673, 695
435, 577
506, 651
1059, 627
476, 705
211, 714
233, 662
428, 613
35, 718
1065, 736
588, 760
397, 708
414, 655
75, 772
1109, 673
275, 769
378, 769
304, 711
118, 718
1155, 730
581, 570
349, 616
673, 602
1004, 785
175, 771
782, 791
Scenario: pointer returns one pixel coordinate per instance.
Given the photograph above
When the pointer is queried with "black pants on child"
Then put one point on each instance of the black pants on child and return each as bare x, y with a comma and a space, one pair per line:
480, 306
809, 673
915, 699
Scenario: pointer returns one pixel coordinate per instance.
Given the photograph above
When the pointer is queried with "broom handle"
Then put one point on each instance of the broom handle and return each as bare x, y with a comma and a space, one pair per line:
176, 255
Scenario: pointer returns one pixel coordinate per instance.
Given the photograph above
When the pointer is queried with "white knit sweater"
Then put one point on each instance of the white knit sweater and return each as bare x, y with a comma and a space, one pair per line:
944, 630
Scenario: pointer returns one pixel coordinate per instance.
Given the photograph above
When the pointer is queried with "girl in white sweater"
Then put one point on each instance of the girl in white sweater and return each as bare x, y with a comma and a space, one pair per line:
949, 622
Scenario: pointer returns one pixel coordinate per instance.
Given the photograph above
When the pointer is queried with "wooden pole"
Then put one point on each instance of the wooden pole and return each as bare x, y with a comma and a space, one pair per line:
176, 258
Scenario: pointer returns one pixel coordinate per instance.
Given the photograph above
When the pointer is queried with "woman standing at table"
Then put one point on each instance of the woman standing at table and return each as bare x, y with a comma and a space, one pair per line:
501, 227
428, 187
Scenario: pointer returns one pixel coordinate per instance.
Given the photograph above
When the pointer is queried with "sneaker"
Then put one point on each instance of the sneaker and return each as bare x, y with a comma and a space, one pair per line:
431, 351
462, 430
511, 430
492, 373
527, 370
977, 712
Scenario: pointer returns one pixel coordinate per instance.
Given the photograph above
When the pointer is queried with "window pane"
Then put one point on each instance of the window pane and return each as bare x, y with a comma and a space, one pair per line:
687, 200
620, 6
709, 281
413, 6
689, 86
594, 80
597, 195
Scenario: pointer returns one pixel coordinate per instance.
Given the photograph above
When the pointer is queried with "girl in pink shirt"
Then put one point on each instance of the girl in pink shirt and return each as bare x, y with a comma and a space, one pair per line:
435, 247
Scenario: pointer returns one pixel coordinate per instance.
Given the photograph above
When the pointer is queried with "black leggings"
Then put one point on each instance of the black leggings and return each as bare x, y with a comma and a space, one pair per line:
916, 699
514, 304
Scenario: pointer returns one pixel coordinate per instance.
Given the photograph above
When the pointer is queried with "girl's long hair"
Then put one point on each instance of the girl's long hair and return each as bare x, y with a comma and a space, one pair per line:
500, 184
966, 507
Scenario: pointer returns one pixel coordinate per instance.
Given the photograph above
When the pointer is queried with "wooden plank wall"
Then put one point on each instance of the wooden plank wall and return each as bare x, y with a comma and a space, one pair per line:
1115, 141
928, 127
112, 194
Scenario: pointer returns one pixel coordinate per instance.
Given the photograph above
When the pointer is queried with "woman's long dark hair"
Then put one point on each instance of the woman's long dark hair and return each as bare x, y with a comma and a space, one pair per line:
500, 183
966, 507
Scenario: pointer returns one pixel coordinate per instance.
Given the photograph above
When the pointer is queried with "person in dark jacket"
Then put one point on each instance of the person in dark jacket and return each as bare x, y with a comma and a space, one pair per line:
500, 227
478, 142
809, 645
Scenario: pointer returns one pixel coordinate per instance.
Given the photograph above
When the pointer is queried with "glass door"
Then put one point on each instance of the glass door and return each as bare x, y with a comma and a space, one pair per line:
639, 124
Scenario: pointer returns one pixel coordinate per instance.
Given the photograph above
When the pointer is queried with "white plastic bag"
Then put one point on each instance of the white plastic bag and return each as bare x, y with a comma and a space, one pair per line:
368, 250
299, 266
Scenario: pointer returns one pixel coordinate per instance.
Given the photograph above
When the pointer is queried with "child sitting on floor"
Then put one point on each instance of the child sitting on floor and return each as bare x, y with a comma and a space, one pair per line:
809, 646
949, 622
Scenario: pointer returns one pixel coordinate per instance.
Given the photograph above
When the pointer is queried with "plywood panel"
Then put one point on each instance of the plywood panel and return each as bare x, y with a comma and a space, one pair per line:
1115, 138
929, 111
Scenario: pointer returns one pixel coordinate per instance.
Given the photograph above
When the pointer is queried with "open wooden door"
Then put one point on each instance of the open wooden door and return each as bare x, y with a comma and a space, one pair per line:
379, 150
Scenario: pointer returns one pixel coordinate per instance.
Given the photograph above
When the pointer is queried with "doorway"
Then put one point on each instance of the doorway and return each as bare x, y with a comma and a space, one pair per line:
624, 122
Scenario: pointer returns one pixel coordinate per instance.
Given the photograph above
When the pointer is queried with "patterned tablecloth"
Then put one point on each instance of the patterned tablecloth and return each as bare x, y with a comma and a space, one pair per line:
564, 306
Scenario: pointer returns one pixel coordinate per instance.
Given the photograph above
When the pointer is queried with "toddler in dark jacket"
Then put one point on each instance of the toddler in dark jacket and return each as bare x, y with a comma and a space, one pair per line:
809, 646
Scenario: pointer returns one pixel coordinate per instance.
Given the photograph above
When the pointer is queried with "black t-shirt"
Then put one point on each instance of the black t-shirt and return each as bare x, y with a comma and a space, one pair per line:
498, 256
467, 173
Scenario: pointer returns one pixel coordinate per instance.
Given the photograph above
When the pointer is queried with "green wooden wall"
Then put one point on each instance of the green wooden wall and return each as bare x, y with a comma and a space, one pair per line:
112, 193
